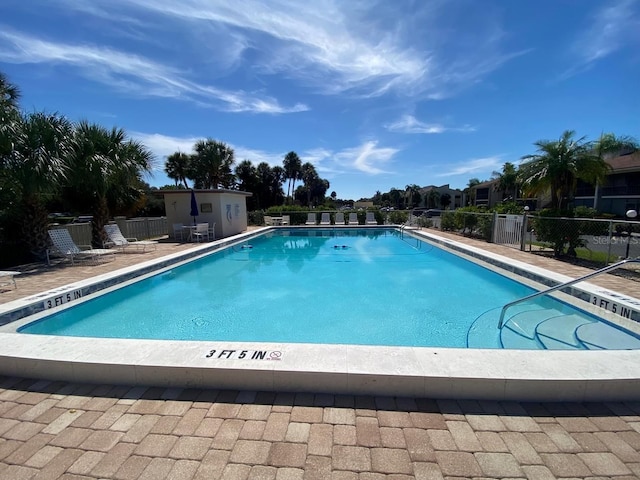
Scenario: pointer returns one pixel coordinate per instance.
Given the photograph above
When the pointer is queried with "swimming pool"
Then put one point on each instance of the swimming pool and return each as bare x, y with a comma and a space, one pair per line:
433, 372
334, 286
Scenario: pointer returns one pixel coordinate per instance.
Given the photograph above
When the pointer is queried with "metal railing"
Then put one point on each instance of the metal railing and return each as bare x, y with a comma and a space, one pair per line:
563, 285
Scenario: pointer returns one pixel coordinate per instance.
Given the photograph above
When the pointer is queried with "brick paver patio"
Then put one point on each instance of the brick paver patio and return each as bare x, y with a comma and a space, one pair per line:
59, 430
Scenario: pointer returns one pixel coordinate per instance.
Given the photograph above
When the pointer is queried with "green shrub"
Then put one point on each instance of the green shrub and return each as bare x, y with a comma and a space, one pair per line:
448, 221
397, 217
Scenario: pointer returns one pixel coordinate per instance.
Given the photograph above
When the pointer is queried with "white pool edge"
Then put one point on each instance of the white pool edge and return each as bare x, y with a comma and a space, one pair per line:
341, 369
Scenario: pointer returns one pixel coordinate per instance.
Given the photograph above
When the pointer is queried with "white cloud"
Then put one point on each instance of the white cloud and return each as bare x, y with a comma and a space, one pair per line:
367, 158
410, 124
364, 48
613, 27
473, 166
133, 74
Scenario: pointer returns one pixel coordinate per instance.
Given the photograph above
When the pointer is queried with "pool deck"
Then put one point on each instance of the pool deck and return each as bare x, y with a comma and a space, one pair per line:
77, 431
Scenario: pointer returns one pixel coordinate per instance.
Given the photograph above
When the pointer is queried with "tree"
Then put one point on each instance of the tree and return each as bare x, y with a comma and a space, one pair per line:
433, 198
309, 176
445, 200
247, 176
103, 165
293, 170
34, 169
177, 168
9, 116
211, 164
507, 181
412, 195
470, 192
558, 165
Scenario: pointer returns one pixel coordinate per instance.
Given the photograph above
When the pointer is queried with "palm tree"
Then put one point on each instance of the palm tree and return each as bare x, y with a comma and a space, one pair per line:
558, 165
9, 115
247, 176
470, 192
211, 164
104, 163
35, 169
177, 168
293, 170
508, 180
608, 145
308, 176
413, 195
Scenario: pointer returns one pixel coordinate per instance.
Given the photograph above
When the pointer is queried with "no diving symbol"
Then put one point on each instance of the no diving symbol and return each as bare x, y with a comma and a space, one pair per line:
275, 355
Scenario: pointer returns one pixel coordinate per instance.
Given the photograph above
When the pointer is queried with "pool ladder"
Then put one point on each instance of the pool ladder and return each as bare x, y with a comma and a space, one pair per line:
606, 269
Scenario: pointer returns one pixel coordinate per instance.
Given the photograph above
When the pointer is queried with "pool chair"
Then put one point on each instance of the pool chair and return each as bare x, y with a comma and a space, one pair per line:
7, 278
212, 230
286, 220
339, 218
63, 245
353, 219
371, 219
201, 231
268, 221
325, 218
116, 239
178, 231
311, 219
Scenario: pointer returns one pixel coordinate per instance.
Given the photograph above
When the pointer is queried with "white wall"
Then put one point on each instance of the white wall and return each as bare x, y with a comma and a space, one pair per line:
178, 206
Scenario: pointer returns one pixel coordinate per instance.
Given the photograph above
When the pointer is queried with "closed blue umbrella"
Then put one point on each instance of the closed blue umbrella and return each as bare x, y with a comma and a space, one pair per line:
194, 206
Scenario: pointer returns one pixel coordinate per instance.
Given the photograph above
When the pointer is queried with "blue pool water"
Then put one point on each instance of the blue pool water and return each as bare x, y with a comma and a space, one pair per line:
367, 287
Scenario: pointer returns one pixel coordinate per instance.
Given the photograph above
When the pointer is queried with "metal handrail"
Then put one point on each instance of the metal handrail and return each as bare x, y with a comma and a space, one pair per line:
606, 269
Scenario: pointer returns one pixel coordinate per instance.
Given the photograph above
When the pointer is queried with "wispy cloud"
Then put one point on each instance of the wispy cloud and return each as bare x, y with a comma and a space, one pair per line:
613, 27
367, 158
164, 145
410, 124
363, 49
132, 74
474, 166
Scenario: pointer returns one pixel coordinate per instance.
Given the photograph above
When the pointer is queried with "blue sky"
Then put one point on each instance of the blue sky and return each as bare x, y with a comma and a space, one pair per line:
377, 95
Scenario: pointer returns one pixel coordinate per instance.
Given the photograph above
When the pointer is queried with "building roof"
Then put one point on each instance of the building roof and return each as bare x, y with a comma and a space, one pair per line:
625, 163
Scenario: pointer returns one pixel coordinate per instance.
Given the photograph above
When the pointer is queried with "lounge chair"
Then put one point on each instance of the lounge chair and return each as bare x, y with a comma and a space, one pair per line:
268, 221
286, 219
311, 219
64, 245
371, 219
201, 231
339, 218
353, 219
212, 231
325, 218
7, 277
118, 240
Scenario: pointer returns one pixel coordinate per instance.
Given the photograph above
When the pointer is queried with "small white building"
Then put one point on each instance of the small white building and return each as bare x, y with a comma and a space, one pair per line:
226, 208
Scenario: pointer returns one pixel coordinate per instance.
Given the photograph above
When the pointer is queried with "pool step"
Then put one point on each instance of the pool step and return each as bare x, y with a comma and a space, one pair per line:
519, 331
600, 335
559, 333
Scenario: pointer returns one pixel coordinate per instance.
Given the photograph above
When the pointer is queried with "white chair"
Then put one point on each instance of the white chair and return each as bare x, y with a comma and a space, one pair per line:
201, 231
64, 245
286, 220
116, 239
311, 219
371, 219
212, 230
268, 221
178, 231
339, 218
353, 218
7, 277
325, 218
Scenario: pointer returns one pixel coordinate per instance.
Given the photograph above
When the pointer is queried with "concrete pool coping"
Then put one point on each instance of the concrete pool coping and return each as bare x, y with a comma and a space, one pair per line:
347, 369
